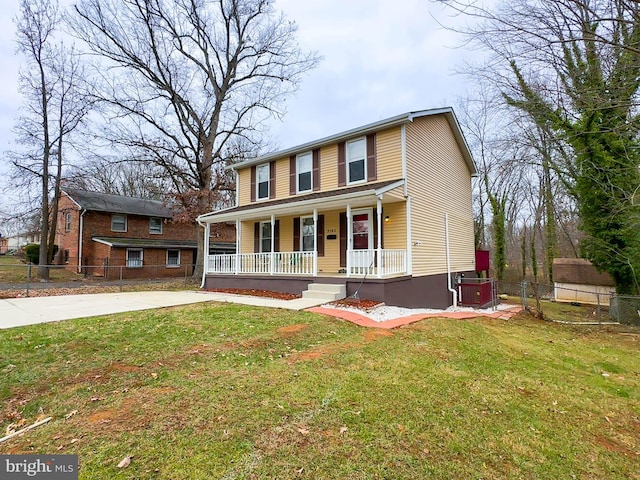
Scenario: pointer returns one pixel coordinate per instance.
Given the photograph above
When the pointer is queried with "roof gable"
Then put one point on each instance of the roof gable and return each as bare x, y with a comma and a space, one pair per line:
370, 128
105, 202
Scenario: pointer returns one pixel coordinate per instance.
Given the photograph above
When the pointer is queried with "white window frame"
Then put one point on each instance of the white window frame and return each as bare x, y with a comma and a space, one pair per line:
262, 168
151, 229
302, 219
173, 265
124, 217
299, 159
262, 238
350, 160
141, 260
67, 222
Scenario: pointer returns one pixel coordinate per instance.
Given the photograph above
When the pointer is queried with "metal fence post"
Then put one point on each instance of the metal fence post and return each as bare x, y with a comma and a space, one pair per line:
120, 278
598, 312
28, 278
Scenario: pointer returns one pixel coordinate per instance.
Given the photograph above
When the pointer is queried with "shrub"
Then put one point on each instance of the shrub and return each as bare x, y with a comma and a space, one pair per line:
32, 252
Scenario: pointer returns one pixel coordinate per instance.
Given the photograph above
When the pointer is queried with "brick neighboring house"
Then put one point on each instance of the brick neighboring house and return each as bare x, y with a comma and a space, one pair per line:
102, 234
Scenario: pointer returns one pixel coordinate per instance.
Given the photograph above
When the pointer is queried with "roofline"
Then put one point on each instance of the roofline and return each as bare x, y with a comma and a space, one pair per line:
220, 215
381, 124
71, 198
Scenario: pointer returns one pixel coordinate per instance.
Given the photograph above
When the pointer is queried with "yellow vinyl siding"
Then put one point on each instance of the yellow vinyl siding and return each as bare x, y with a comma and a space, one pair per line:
282, 177
330, 263
247, 234
389, 152
395, 230
439, 183
329, 167
244, 198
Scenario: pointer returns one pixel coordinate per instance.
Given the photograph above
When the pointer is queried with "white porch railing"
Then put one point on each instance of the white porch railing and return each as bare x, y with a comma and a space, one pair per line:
361, 262
277, 263
368, 262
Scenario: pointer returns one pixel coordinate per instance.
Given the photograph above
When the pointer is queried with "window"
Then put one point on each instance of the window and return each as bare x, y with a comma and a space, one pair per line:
67, 222
356, 160
265, 236
304, 168
134, 257
118, 223
66, 256
306, 234
262, 184
155, 225
173, 258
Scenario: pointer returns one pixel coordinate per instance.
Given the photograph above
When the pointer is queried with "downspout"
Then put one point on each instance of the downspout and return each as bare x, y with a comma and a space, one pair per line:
207, 227
81, 235
446, 236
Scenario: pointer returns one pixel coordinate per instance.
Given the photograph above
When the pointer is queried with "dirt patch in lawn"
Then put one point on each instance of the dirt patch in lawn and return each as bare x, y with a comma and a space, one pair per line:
291, 330
327, 350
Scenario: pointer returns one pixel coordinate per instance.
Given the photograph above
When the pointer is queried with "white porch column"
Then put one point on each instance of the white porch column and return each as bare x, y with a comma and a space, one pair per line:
238, 244
315, 242
207, 234
379, 246
349, 239
273, 243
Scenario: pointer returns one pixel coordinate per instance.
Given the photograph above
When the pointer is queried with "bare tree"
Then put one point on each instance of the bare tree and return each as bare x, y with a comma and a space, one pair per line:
183, 79
54, 107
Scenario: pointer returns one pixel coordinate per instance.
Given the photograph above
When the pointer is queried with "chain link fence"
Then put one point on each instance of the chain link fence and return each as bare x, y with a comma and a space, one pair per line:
19, 279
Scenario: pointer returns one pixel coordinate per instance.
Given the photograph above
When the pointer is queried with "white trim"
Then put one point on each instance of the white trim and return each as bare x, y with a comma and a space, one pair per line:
238, 244
348, 161
177, 265
301, 244
141, 250
161, 226
125, 222
80, 240
207, 235
268, 222
310, 154
238, 186
349, 239
268, 168
409, 265
273, 242
315, 241
403, 154
379, 246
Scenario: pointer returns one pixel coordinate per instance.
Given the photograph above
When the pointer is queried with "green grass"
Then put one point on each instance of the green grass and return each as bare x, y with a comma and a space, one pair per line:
13, 270
228, 391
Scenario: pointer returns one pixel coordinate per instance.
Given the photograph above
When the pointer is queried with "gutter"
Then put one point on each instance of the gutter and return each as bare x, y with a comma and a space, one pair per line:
80, 243
449, 287
205, 254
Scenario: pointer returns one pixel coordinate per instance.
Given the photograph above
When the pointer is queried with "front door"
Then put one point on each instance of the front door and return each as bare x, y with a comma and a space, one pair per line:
362, 232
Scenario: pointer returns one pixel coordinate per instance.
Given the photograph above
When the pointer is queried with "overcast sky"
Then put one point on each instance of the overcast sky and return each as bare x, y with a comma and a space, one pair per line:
381, 58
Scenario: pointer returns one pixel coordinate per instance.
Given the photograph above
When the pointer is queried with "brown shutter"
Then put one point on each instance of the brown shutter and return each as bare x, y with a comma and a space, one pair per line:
256, 237
342, 165
296, 234
320, 235
276, 236
253, 183
316, 170
372, 160
292, 175
272, 179
343, 239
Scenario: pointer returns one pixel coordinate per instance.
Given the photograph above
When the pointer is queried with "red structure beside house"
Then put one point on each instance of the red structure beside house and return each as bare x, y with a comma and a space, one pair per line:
112, 236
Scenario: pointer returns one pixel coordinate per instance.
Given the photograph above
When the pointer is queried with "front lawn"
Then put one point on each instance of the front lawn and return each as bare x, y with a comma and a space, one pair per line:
228, 391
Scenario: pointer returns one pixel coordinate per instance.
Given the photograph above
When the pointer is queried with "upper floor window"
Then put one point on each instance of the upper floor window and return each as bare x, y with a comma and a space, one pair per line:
67, 222
118, 222
262, 184
155, 225
304, 169
356, 160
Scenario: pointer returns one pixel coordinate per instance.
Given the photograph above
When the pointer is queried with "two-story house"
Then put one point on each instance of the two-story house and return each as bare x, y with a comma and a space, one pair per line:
113, 235
384, 210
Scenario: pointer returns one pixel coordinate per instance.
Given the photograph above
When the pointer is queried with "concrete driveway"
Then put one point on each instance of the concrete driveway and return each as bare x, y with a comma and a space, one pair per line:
15, 312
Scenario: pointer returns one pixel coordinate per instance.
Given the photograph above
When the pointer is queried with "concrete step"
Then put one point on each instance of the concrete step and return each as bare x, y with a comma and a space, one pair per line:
325, 291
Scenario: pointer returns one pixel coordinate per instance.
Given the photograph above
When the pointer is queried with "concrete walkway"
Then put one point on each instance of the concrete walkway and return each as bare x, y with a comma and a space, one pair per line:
15, 312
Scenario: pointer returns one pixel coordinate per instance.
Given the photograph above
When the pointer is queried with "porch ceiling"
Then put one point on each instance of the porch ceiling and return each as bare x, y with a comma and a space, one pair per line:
357, 197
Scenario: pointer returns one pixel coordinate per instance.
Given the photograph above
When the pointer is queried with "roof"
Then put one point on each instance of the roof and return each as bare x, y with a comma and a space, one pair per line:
579, 271
370, 128
119, 242
106, 202
304, 203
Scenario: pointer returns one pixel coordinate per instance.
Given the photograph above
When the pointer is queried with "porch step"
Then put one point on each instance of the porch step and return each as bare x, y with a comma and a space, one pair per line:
325, 291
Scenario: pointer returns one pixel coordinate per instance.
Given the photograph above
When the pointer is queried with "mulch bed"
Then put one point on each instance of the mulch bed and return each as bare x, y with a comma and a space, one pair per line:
359, 303
257, 293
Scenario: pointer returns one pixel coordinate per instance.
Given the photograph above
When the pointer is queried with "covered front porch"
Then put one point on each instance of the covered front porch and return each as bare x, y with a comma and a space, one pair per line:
353, 232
